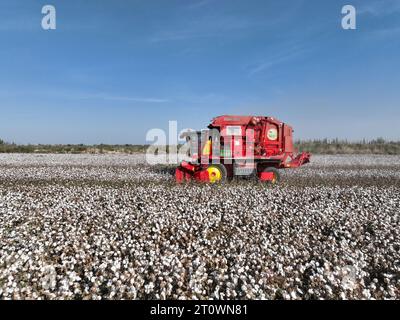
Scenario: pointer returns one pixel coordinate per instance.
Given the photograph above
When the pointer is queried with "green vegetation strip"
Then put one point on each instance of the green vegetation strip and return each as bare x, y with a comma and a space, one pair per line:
324, 146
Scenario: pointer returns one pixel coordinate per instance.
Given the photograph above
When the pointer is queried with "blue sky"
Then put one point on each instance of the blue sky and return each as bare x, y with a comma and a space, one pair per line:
114, 69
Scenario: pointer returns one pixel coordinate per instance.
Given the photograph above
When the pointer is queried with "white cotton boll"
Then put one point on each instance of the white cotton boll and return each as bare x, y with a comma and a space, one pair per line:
111, 226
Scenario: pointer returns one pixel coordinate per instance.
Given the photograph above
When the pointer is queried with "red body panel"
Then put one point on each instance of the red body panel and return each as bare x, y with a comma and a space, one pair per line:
271, 137
266, 176
183, 174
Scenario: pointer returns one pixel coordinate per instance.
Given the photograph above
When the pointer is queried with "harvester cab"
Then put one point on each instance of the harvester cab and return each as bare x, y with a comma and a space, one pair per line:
240, 146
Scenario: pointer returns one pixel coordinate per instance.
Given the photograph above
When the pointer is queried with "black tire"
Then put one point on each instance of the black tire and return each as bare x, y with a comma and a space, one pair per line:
277, 176
229, 172
223, 171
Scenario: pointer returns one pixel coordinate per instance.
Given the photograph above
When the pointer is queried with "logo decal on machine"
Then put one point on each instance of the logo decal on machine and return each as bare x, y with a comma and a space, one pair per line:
272, 134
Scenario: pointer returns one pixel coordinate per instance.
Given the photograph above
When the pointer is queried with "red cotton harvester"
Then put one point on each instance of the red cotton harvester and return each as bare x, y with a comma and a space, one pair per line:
240, 146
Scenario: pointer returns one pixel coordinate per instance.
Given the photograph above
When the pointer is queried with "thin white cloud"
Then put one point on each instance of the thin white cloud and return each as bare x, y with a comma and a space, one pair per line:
379, 7
52, 93
199, 4
18, 24
275, 60
124, 98
218, 23
381, 10
381, 34
206, 27
179, 35
204, 99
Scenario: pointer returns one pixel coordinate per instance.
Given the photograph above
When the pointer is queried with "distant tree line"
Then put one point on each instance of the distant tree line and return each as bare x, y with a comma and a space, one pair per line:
70, 148
336, 146
321, 146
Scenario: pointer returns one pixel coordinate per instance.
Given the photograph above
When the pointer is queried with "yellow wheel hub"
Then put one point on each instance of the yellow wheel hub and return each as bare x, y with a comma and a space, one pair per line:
214, 174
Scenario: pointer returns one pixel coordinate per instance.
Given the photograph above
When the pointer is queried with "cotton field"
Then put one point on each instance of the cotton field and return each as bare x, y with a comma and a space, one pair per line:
113, 227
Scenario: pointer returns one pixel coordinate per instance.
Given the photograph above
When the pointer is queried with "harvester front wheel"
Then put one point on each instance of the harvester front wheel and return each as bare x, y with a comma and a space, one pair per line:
276, 177
217, 173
